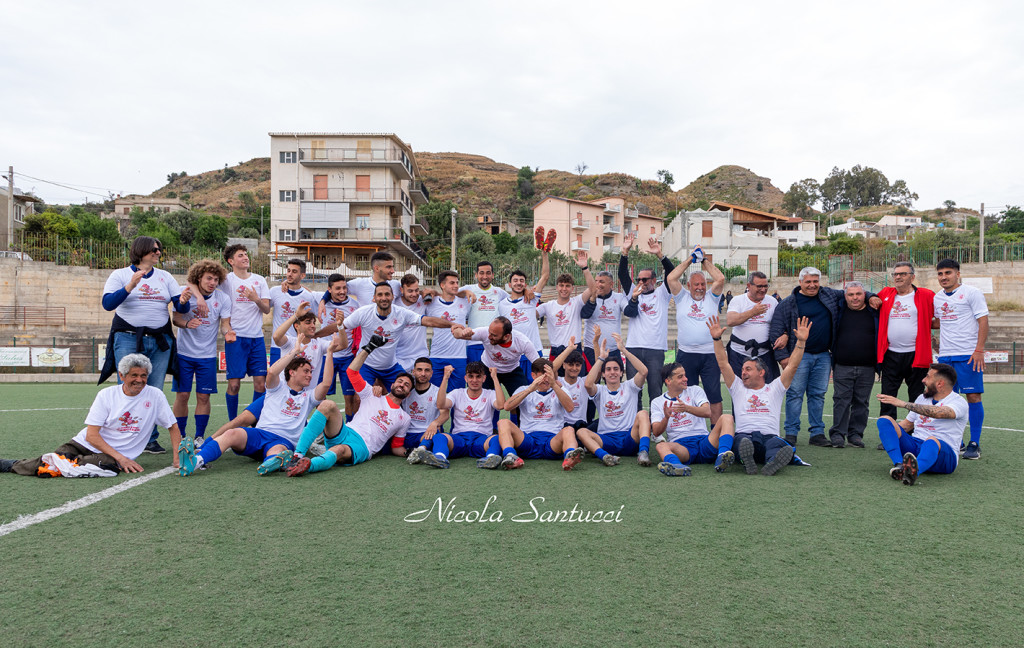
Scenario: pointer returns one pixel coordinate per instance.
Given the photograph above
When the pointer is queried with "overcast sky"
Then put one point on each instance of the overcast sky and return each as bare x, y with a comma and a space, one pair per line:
116, 95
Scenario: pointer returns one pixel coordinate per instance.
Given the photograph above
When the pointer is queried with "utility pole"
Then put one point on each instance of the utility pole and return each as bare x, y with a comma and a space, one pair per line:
981, 235
10, 207
454, 213
261, 222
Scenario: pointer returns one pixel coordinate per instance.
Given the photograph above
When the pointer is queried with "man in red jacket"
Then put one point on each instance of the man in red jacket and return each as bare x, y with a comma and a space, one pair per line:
904, 336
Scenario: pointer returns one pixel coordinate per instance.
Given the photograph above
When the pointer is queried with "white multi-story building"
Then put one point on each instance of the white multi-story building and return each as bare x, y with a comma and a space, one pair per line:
337, 198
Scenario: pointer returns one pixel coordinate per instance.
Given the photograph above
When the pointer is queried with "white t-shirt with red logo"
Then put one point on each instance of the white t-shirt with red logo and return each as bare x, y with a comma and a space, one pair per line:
421, 408
347, 307
472, 414
485, 309
146, 305
563, 320
578, 393
285, 411
541, 411
951, 431
444, 344
413, 342
377, 420
246, 317
126, 422
607, 315
506, 359
902, 330
362, 289
314, 352
616, 410
681, 424
284, 304
958, 320
757, 410
201, 342
649, 329
523, 315
390, 327
755, 328
692, 330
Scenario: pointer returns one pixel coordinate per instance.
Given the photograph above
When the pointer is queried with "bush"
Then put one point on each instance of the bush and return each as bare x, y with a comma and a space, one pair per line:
248, 232
478, 242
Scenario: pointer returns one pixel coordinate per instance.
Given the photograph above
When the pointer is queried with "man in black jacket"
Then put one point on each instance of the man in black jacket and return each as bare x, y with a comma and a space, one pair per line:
853, 374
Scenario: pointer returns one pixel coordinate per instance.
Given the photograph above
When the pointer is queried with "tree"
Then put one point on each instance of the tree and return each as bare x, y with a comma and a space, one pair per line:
801, 197
479, 242
183, 222
833, 190
950, 204
900, 194
581, 168
93, 227
666, 179
1011, 220
211, 231
505, 243
845, 244
51, 222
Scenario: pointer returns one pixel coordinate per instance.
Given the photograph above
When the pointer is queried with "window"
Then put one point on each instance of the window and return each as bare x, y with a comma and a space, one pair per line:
287, 195
706, 229
652, 230
363, 221
319, 187
287, 235
710, 258
19, 214
362, 185
127, 210
167, 210
319, 149
289, 157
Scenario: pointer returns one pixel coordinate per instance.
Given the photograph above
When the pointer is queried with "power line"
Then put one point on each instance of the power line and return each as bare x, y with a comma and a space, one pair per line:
66, 186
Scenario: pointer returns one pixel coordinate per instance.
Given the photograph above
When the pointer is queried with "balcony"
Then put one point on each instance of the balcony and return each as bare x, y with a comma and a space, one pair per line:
632, 213
612, 229
614, 249
576, 245
612, 209
395, 197
393, 158
387, 235
419, 192
580, 225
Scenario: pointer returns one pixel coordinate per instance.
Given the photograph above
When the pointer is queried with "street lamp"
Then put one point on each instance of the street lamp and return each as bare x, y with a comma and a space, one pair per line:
454, 212
261, 222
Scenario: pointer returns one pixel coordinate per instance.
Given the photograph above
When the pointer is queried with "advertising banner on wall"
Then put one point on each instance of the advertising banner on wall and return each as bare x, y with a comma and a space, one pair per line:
50, 357
14, 356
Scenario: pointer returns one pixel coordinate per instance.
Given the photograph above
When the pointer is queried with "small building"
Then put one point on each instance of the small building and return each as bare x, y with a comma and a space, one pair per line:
731, 235
123, 207
596, 226
24, 204
798, 232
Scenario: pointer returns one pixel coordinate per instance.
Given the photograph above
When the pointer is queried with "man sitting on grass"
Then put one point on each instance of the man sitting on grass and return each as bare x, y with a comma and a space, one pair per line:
472, 412
542, 432
680, 414
756, 406
927, 440
572, 361
622, 430
117, 427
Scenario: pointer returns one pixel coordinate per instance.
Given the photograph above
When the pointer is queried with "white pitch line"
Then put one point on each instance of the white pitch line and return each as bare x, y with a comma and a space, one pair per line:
46, 409
24, 521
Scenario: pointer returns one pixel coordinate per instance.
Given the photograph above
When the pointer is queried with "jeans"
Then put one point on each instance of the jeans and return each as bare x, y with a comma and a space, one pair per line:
851, 390
124, 344
811, 378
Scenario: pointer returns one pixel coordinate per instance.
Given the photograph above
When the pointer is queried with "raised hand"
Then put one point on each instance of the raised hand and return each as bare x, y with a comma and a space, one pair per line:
448, 369
335, 345
597, 335
627, 242
803, 329
301, 310
654, 246
638, 289
715, 327
618, 340
136, 278
582, 260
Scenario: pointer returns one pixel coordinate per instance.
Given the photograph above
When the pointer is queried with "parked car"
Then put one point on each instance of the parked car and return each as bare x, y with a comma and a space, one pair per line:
11, 254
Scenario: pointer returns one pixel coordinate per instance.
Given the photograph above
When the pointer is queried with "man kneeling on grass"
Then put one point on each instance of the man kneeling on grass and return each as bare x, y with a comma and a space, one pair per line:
622, 430
926, 441
541, 433
117, 427
680, 413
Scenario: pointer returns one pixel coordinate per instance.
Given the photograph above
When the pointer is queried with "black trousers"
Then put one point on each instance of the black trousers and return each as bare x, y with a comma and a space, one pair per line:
899, 368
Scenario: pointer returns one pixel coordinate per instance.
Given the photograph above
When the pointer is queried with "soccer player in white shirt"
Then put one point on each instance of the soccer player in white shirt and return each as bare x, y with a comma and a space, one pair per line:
928, 439
117, 427
425, 419
285, 300
484, 308
563, 316
412, 342
247, 355
521, 310
541, 432
445, 349
962, 315
504, 350
301, 328
335, 307
382, 267
647, 310
197, 345
572, 361
679, 415
472, 411
622, 430
750, 316
757, 405
694, 304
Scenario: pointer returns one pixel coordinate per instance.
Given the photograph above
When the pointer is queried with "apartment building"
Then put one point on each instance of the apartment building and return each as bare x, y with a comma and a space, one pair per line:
597, 226
731, 235
23, 203
339, 197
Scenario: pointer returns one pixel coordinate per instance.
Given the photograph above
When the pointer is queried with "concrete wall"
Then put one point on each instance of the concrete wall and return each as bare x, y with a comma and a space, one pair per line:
78, 290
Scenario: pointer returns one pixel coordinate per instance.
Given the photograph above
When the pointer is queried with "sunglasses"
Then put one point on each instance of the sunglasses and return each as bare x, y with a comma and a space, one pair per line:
156, 249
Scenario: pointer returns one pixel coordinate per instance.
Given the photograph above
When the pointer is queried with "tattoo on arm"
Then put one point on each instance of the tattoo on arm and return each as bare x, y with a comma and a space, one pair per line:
933, 411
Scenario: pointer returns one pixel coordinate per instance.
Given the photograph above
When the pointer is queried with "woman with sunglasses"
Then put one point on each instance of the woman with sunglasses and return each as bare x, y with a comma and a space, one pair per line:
139, 295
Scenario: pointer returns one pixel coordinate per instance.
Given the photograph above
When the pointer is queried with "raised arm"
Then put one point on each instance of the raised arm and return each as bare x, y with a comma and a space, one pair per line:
515, 399
545, 272
583, 261
558, 361
674, 279
717, 276
931, 411
600, 356
641, 368
442, 389
624, 278
803, 329
275, 370
563, 397
499, 390
281, 332
720, 354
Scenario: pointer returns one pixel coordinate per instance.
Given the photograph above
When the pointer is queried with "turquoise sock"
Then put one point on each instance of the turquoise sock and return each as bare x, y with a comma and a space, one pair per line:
325, 461
316, 425
202, 420
928, 455
645, 444
724, 443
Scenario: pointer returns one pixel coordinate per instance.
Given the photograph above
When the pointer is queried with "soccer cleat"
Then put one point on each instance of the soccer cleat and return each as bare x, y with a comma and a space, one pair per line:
724, 460
972, 451
154, 448
746, 449
292, 461
538, 237
643, 458
549, 242
416, 455
297, 466
316, 449
436, 460
512, 461
275, 463
187, 458
610, 460
490, 462
375, 342
781, 458
909, 469
672, 470
572, 459
896, 472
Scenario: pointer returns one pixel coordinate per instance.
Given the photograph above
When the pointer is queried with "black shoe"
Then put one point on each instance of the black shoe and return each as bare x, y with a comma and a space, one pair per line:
972, 451
880, 447
376, 341
154, 448
746, 449
781, 458
856, 440
837, 440
6, 465
791, 439
820, 441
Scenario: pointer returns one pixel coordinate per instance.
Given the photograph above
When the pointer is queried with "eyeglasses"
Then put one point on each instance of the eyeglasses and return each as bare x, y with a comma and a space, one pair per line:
645, 279
761, 287
901, 274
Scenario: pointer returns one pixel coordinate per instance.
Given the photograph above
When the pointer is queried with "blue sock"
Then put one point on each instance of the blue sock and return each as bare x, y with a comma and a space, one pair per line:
565, 455
645, 444
891, 442
600, 453
724, 443
976, 415
182, 424
232, 401
210, 452
494, 446
257, 395
325, 461
928, 455
439, 445
672, 459
316, 425
202, 420
507, 451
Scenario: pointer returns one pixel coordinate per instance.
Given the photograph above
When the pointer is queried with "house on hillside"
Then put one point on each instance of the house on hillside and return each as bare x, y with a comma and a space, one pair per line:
12, 221
853, 227
336, 198
597, 226
124, 205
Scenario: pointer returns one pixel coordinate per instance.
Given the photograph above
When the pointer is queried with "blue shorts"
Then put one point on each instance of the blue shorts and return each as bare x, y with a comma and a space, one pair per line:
700, 449
412, 440
968, 381
256, 407
340, 373
468, 444
537, 445
371, 375
348, 436
705, 367
205, 371
474, 353
619, 443
246, 357
946, 462
275, 354
259, 442
455, 381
